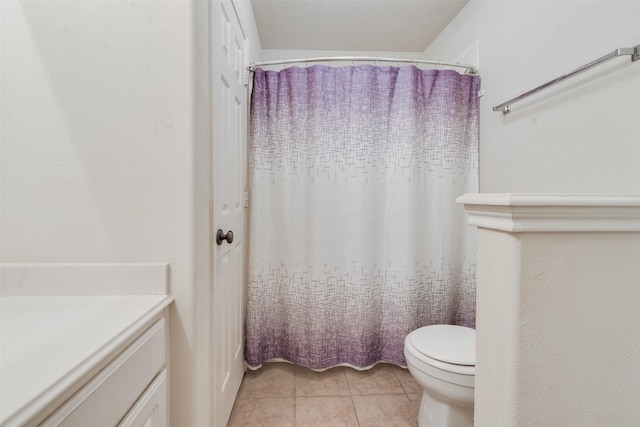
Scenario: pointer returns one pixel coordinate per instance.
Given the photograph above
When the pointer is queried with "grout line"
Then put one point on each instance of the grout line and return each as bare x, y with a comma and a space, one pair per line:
395, 372
295, 393
353, 404
354, 410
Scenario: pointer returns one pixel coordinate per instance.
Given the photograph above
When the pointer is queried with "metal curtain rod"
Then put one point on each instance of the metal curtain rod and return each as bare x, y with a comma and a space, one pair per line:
470, 68
505, 107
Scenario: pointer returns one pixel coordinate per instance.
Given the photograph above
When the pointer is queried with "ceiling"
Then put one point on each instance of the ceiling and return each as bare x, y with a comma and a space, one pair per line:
353, 25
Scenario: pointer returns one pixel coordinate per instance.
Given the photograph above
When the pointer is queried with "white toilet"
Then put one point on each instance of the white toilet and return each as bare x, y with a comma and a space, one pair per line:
442, 359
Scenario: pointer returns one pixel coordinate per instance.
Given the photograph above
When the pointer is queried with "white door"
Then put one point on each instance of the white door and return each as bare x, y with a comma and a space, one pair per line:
229, 124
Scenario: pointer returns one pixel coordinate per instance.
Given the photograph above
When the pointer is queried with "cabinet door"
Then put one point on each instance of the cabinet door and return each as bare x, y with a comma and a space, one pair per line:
151, 409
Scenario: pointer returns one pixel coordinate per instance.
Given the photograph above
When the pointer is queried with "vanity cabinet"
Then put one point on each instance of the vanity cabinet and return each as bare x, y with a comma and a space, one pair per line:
130, 391
84, 345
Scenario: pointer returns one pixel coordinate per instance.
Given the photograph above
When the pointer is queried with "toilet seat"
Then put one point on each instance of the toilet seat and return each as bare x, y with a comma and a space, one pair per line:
446, 343
446, 347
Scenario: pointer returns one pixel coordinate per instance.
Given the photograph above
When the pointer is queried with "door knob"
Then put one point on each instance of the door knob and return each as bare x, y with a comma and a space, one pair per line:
220, 237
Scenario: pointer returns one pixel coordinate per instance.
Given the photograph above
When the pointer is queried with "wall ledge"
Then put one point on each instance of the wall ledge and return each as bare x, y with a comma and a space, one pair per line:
553, 212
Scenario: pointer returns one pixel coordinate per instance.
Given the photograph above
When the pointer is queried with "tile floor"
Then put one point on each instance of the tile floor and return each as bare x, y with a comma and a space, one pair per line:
281, 394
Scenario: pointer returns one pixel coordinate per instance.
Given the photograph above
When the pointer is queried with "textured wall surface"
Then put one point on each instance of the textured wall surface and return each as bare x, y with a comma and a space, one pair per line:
558, 329
496, 300
579, 353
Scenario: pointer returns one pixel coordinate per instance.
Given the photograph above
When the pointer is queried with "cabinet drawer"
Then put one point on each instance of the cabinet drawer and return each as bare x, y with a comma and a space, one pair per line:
151, 409
106, 398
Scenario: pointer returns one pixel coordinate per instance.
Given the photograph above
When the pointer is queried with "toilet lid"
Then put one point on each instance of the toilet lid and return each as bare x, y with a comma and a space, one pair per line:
446, 343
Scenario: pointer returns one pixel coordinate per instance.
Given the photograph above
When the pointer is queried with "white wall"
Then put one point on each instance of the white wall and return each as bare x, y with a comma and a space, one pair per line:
98, 126
581, 136
105, 152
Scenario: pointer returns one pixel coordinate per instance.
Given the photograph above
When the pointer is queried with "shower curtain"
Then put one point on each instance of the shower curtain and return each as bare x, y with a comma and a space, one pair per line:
355, 238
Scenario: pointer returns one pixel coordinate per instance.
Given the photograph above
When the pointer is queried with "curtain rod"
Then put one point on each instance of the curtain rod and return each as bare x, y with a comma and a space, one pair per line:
505, 107
470, 68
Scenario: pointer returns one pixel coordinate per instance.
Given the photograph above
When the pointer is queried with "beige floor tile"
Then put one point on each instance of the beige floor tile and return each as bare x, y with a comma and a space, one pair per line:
324, 411
385, 411
409, 383
272, 380
281, 394
378, 380
332, 382
265, 412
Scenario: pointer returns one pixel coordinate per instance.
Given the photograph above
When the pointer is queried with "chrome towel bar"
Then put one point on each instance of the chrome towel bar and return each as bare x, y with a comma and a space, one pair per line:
505, 107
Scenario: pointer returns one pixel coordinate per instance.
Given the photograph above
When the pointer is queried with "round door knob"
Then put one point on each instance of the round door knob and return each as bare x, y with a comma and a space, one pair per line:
221, 236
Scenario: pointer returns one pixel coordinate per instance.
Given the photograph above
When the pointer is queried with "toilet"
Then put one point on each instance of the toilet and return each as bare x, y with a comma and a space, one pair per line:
442, 360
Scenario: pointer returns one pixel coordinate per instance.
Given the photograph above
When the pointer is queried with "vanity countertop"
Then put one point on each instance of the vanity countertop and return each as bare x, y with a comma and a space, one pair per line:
49, 343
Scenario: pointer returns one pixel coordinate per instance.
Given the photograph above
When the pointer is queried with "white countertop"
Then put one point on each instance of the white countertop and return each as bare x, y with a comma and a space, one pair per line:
49, 343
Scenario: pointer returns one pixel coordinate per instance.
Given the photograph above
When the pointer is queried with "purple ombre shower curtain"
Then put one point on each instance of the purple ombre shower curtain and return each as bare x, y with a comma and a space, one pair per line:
355, 238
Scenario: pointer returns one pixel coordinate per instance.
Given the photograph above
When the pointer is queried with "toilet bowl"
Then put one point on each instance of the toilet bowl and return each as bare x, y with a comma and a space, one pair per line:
441, 358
